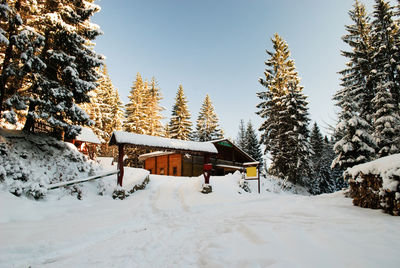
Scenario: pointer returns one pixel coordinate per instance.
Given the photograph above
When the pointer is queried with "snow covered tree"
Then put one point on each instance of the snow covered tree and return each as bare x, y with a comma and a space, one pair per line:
284, 108
316, 142
386, 122
387, 48
241, 138
252, 145
154, 117
207, 127
180, 126
294, 136
356, 144
359, 75
20, 63
71, 64
136, 109
105, 107
326, 180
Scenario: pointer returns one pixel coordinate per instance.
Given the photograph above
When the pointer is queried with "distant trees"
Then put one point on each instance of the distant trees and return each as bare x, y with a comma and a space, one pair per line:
180, 126
48, 65
207, 127
284, 110
325, 179
369, 120
105, 108
247, 140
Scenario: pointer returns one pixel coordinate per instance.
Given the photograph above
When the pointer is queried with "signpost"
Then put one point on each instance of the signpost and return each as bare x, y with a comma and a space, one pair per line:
253, 172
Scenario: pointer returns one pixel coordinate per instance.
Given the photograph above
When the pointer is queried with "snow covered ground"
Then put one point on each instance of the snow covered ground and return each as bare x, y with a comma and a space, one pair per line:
171, 224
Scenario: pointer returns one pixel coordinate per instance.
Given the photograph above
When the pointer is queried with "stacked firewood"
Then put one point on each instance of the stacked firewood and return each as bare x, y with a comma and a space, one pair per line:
367, 192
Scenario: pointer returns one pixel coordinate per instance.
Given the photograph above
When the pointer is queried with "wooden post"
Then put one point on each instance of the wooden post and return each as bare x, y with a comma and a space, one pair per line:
259, 188
168, 164
120, 164
207, 169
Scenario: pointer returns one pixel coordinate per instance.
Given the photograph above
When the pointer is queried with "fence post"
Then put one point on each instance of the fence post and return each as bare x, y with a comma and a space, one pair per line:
120, 164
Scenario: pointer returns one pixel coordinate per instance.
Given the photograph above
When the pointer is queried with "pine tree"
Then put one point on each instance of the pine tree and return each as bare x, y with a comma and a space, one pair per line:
105, 107
316, 143
326, 180
294, 136
359, 76
207, 127
154, 117
284, 109
386, 122
241, 138
356, 144
136, 109
180, 126
387, 48
71, 65
20, 62
252, 145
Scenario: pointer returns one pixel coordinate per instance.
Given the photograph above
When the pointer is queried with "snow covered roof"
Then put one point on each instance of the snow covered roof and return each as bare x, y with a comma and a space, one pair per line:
87, 135
250, 158
121, 137
143, 157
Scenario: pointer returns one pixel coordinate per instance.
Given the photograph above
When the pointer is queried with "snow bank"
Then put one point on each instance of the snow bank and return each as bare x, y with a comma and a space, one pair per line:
29, 163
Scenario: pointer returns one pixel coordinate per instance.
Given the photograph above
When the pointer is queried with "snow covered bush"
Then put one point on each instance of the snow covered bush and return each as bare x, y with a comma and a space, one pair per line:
30, 162
376, 184
122, 193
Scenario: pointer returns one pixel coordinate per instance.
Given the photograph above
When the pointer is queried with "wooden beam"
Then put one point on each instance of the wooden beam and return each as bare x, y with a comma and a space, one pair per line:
120, 164
68, 183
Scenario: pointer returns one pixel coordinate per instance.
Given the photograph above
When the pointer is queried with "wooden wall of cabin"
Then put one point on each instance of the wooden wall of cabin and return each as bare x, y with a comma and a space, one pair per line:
192, 166
165, 165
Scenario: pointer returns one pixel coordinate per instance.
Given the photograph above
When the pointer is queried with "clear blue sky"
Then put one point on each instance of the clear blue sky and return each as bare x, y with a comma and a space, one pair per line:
218, 47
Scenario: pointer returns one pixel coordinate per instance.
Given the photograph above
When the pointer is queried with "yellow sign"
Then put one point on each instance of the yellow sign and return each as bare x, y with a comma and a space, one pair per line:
251, 172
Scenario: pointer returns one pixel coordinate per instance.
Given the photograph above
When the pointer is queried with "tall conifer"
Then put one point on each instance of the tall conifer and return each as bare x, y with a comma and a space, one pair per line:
284, 109
154, 117
180, 126
252, 144
207, 127
136, 108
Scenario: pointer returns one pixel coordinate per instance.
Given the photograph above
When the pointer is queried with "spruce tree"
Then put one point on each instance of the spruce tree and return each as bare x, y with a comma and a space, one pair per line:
284, 109
20, 61
252, 144
386, 123
354, 127
387, 48
207, 127
326, 180
241, 138
180, 126
136, 108
294, 136
154, 117
105, 107
71, 65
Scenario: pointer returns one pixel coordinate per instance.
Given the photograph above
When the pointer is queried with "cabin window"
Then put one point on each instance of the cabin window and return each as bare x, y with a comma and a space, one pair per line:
175, 171
161, 171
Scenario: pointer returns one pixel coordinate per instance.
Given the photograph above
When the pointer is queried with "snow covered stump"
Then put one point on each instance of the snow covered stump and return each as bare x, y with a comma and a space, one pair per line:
376, 184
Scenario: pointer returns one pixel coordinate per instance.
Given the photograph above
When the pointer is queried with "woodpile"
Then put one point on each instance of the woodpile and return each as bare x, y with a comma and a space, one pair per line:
367, 192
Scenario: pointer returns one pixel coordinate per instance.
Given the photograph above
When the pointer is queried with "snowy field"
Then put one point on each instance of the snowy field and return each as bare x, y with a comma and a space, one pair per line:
171, 224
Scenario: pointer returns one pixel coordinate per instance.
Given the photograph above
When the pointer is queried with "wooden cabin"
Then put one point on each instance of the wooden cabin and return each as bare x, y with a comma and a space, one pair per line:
228, 159
86, 142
